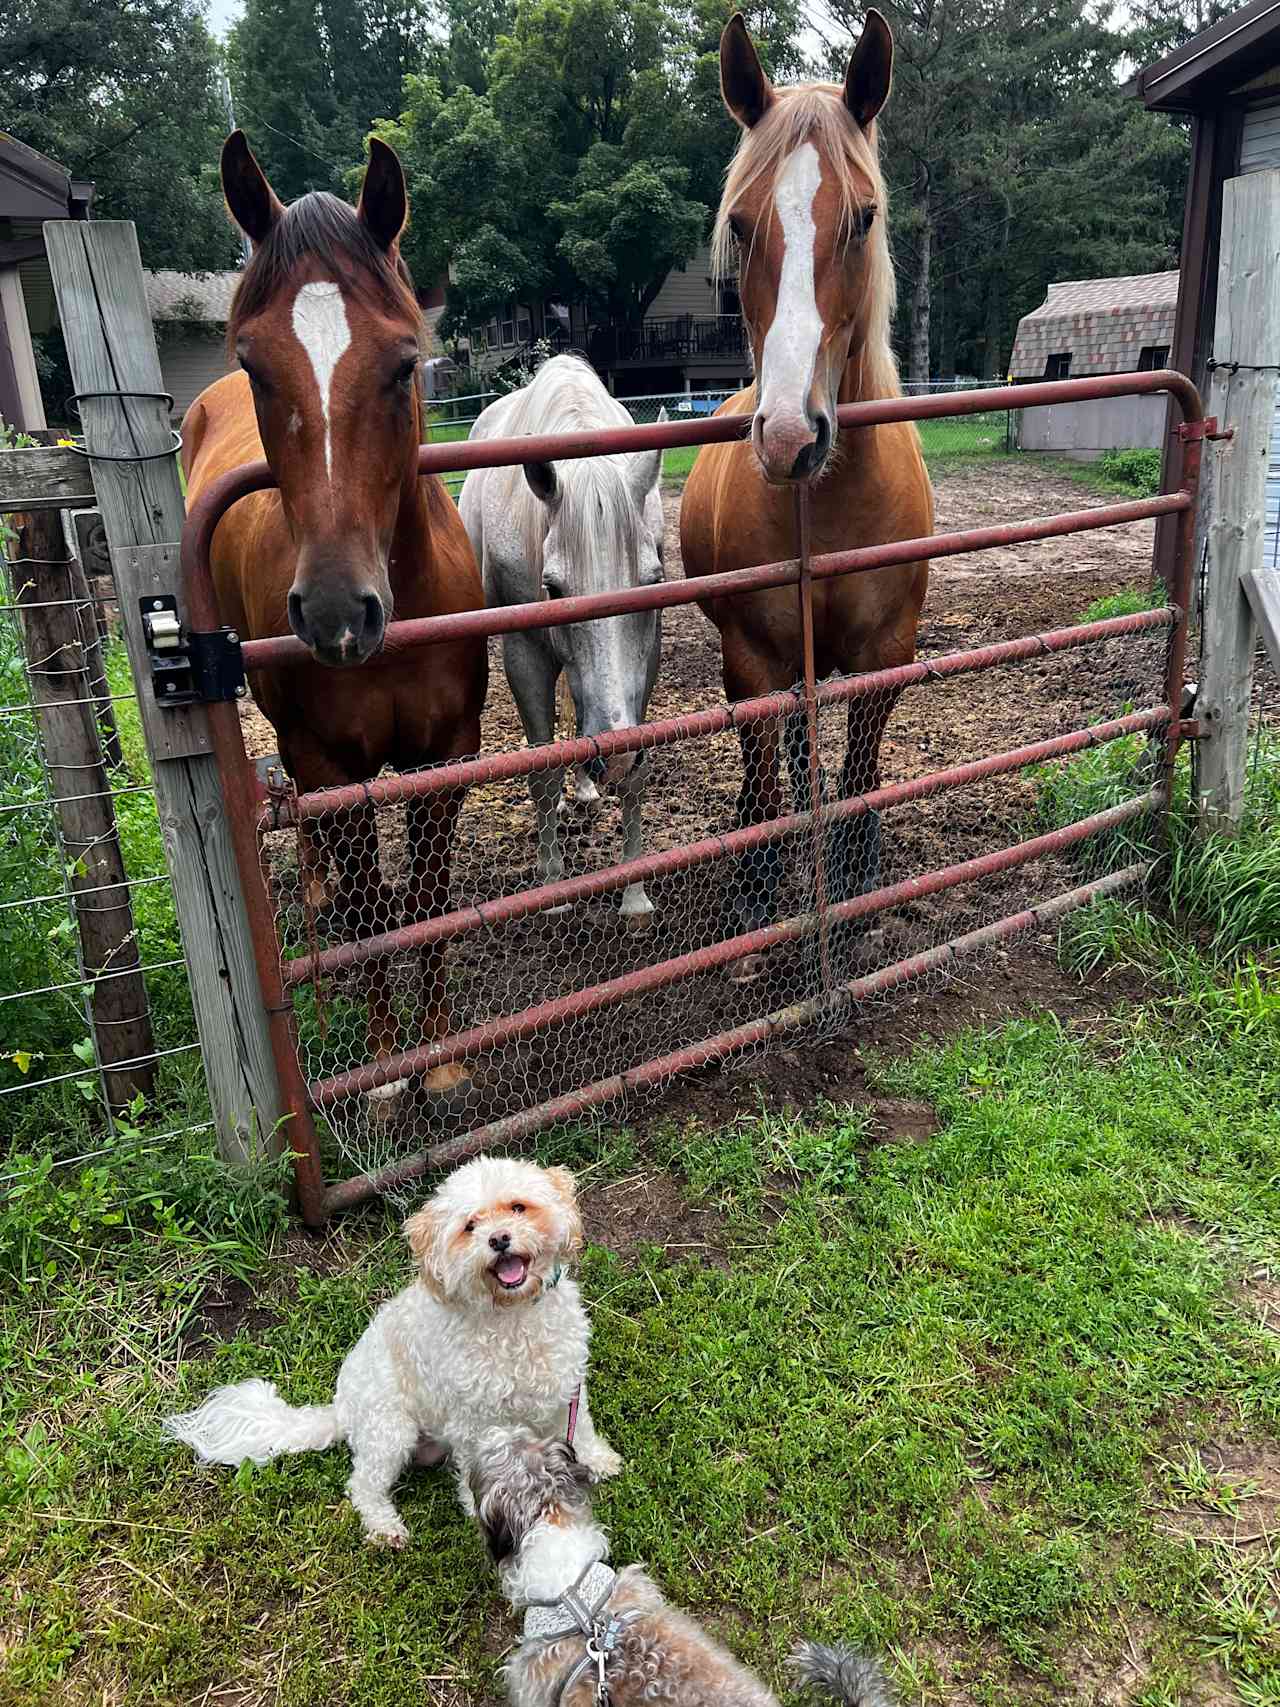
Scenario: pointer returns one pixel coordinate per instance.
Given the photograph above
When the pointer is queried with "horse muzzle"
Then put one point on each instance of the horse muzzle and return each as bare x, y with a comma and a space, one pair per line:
340, 627
791, 446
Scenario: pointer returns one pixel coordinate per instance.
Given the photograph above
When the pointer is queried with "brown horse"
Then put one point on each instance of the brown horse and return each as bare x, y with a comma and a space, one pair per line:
804, 204
326, 331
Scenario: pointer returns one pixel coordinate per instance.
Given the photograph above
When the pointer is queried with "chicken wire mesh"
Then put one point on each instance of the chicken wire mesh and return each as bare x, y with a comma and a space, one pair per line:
509, 1004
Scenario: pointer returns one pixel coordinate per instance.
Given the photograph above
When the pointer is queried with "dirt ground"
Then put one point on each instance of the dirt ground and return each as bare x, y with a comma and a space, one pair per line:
691, 794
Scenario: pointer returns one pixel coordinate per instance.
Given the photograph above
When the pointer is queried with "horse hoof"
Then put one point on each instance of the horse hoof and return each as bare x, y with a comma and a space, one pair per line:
746, 970
386, 1103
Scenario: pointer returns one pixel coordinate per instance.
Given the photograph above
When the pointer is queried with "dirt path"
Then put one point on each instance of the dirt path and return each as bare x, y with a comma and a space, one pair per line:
692, 793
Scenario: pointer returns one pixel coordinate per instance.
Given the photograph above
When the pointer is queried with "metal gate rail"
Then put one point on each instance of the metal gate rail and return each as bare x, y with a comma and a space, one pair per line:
253, 809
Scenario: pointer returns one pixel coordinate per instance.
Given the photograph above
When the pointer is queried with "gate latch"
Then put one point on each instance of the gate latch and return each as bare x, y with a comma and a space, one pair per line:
190, 667
1189, 431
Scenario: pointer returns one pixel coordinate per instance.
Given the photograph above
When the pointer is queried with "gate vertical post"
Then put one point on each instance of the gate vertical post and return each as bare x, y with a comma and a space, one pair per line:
1246, 352
804, 588
97, 277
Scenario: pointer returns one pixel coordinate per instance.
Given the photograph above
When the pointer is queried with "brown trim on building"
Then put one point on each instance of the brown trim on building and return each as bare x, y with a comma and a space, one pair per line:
1204, 70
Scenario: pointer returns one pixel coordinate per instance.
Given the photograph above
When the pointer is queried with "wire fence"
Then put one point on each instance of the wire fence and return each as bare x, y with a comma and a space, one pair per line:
97, 1034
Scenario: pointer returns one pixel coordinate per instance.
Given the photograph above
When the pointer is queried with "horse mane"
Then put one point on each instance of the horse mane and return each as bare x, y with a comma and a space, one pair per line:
564, 396
323, 228
815, 112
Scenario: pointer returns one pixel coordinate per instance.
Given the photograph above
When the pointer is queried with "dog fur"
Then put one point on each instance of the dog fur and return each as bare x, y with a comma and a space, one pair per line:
532, 1504
460, 1351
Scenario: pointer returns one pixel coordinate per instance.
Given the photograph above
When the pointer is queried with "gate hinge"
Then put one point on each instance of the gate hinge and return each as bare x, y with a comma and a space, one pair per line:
190, 667
1190, 431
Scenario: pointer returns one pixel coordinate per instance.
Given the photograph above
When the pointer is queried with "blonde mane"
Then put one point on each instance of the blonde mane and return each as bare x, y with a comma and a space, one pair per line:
815, 112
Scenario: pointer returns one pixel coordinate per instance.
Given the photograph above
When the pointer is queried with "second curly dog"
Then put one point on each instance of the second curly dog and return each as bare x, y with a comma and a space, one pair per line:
491, 1333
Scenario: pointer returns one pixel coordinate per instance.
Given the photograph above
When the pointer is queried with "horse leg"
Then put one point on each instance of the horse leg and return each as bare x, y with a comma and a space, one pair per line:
430, 822
636, 909
759, 871
531, 673
367, 904
855, 842
796, 747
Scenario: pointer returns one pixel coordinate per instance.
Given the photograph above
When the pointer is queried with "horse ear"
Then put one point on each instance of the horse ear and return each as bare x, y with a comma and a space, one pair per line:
870, 71
250, 198
384, 201
542, 480
747, 92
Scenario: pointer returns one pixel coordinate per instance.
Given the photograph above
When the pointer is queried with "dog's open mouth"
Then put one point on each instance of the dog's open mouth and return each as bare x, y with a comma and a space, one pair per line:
510, 1271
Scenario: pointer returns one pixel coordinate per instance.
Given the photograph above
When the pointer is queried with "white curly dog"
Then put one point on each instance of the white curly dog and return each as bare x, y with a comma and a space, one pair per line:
490, 1334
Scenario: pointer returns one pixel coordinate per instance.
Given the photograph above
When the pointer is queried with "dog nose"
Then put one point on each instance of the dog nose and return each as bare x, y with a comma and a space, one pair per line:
499, 1242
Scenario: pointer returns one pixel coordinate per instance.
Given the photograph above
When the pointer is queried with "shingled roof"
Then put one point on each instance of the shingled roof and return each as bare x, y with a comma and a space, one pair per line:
1103, 324
204, 297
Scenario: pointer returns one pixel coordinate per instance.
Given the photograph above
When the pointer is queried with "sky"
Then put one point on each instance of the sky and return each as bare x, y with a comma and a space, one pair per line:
222, 14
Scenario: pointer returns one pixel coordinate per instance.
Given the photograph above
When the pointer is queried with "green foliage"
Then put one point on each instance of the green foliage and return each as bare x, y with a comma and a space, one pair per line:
1130, 601
126, 95
1136, 471
1228, 885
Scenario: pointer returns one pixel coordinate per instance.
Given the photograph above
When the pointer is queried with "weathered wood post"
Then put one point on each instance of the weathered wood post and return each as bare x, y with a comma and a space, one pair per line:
97, 277
1242, 392
62, 694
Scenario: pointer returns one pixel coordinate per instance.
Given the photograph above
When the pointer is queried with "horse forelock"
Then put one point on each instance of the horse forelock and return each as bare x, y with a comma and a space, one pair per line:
322, 229
816, 113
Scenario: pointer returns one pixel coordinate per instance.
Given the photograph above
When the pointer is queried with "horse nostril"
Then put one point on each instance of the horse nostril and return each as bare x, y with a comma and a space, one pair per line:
499, 1242
804, 463
823, 442
374, 617
296, 622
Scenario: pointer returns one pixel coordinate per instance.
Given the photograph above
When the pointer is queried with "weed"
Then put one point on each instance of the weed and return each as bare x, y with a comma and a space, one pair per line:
1136, 471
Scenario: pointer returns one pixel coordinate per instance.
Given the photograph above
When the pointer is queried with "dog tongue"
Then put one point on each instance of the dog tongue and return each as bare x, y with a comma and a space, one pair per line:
511, 1270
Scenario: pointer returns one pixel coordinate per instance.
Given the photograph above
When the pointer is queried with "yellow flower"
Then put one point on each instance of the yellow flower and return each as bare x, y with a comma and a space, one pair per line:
67, 444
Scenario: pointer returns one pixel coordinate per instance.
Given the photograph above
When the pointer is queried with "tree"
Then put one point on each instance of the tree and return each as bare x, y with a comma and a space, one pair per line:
310, 77
627, 224
126, 92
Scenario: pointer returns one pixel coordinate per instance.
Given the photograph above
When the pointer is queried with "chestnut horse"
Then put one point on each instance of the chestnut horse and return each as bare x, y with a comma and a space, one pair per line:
804, 204
327, 332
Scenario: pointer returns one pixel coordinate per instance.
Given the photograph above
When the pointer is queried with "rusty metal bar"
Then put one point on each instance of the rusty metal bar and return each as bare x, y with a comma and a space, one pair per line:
545, 613
514, 1028
500, 767
813, 759
212, 504
1182, 580
303, 968
501, 1133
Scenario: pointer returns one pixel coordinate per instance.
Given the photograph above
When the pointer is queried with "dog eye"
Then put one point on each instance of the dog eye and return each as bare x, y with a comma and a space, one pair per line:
517, 1208
470, 1227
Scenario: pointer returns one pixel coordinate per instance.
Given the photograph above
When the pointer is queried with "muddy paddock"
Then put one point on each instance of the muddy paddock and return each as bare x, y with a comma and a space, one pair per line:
691, 793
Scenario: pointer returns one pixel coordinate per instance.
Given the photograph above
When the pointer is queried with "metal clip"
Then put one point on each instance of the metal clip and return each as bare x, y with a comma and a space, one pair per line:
189, 667
1190, 431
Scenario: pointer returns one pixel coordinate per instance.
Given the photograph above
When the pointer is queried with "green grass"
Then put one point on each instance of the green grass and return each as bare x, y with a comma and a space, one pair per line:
959, 1401
1129, 601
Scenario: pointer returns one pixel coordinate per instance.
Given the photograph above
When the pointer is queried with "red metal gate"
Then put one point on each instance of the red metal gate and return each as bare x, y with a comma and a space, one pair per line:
828, 981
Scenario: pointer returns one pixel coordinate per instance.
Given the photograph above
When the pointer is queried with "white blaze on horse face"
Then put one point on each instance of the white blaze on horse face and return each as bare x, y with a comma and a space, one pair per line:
791, 343
320, 326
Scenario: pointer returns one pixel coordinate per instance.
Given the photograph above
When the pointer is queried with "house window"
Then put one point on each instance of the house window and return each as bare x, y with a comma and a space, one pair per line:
491, 334
508, 333
1152, 357
524, 326
730, 302
1058, 366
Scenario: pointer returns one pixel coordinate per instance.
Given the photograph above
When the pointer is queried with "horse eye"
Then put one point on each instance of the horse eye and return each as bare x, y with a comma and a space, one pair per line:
735, 225
470, 1227
406, 372
863, 221
517, 1208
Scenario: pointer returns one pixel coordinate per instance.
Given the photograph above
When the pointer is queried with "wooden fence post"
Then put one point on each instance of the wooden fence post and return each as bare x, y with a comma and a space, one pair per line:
1246, 351
97, 277
63, 694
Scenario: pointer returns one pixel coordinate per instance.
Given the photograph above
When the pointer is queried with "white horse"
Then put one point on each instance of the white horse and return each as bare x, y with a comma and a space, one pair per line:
591, 525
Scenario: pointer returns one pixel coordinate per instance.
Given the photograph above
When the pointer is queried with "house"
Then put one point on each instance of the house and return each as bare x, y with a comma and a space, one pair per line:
1227, 80
691, 339
33, 189
1093, 326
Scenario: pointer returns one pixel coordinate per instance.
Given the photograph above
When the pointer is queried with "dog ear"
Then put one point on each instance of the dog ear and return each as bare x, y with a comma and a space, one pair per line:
566, 1189
425, 1233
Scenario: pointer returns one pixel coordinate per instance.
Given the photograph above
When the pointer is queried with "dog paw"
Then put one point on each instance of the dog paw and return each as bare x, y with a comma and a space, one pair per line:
397, 1538
603, 1463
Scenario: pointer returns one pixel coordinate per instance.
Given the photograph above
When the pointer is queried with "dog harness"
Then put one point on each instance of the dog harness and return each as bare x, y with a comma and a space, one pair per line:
582, 1610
